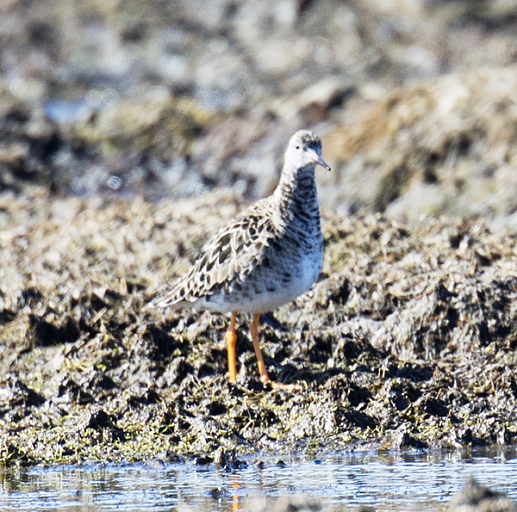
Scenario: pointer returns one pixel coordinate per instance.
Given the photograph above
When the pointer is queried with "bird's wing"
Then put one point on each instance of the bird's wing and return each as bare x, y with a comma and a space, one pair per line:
232, 253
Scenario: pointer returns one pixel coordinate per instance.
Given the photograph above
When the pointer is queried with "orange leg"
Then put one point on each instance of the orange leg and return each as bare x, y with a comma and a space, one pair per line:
264, 377
231, 341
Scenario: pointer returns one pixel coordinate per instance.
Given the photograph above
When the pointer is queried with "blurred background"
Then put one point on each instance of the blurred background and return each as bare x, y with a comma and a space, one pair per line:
415, 100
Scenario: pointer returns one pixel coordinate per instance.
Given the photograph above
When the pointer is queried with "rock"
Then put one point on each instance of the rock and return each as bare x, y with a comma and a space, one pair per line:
476, 498
388, 346
445, 146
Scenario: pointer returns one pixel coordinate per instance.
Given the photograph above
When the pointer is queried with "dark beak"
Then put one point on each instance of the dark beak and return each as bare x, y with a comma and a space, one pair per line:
322, 162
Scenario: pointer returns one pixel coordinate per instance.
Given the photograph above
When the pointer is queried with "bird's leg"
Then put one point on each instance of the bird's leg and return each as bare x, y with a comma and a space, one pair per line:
264, 377
231, 341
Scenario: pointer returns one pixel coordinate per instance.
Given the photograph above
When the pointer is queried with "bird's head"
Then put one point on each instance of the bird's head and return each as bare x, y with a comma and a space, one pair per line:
304, 150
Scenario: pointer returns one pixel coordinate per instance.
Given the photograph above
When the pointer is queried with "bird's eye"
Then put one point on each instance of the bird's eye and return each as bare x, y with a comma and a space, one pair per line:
297, 146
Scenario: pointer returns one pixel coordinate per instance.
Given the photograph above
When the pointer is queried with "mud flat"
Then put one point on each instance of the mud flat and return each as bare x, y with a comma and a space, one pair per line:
407, 341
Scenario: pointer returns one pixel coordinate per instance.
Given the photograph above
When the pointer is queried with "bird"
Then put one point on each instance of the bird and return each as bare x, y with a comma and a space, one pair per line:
266, 257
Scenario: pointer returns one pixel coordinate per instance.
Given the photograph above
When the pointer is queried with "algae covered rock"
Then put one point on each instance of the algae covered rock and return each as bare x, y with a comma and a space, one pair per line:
407, 340
448, 145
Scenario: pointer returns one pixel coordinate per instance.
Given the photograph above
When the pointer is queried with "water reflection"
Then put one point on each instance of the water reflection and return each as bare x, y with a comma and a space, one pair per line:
410, 481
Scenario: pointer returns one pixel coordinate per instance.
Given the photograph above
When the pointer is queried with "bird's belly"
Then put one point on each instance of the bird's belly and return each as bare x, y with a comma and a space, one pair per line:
266, 291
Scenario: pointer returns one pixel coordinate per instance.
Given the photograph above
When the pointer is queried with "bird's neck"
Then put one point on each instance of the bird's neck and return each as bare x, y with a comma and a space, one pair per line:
296, 191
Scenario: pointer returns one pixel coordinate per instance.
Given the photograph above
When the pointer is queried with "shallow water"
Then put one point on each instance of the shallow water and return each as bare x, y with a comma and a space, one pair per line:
407, 482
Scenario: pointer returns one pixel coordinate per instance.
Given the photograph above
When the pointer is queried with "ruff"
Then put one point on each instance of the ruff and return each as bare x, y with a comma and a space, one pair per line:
265, 257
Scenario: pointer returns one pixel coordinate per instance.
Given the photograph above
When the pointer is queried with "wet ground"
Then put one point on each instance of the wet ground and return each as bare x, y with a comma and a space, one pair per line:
407, 340
129, 132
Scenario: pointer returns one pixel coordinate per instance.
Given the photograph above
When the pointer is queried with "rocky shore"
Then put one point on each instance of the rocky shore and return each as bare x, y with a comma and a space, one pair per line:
407, 340
129, 134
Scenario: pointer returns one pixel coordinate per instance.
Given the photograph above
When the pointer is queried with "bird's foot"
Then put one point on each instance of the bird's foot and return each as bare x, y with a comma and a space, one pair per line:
288, 388
278, 386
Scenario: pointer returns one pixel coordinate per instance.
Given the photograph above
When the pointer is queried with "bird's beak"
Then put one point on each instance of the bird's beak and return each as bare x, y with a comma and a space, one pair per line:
319, 160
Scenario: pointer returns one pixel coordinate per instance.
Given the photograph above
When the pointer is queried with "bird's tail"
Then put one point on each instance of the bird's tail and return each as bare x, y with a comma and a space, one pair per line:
172, 298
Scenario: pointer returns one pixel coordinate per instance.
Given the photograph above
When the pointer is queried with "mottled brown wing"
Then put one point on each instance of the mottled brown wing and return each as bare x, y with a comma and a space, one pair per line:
232, 253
